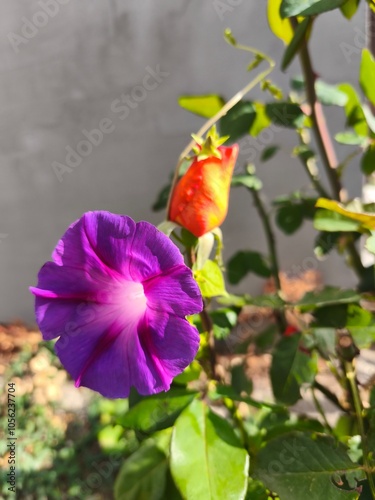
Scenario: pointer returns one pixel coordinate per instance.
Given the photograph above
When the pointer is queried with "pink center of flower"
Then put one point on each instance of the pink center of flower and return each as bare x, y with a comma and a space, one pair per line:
132, 300
127, 303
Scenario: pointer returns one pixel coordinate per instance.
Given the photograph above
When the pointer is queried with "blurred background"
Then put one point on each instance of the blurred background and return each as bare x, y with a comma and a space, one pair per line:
70, 67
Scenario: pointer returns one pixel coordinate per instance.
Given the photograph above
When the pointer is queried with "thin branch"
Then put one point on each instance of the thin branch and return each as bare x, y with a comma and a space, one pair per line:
209, 123
271, 243
350, 376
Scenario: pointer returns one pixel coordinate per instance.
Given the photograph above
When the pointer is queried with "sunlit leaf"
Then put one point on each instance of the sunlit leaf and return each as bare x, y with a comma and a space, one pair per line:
367, 75
279, 27
291, 8
207, 460
202, 105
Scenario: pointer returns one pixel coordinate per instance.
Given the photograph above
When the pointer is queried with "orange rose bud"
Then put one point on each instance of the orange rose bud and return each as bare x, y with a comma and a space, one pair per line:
200, 199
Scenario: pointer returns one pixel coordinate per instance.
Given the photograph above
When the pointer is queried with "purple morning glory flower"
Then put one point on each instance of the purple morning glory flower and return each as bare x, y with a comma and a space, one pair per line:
117, 293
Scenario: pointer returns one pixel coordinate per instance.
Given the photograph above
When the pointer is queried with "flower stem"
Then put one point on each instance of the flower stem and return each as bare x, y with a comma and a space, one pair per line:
271, 243
329, 395
206, 324
321, 411
350, 375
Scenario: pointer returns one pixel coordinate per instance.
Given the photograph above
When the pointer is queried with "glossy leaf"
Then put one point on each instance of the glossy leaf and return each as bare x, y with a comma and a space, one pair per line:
207, 460
158, 411
238, 121
367, 75
291, 8
245, 262
290, 368
144, 473
298, 465
279, 27
202, 105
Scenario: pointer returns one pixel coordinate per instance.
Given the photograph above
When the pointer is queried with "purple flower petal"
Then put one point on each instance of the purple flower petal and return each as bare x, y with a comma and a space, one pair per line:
116, 295
175, 292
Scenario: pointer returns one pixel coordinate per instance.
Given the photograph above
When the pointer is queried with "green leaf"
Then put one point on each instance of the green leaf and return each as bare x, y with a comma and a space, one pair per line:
370, 243
285, 114
279, 27
289, 218
245, 262
191, 372
327, 94
239, 380
290, 8
298, 40
290, 368
300, 465
367, 75
238, 121
249, 181
143, 475
324, 339
353, 212
202, 105
325, 242
370, 118
330, 95
261, 121
368, 160
349, 8
162, 199
330, 295
210, 279
269, 152
360, 323
158, 411
353, 110
350, 138
207, 460
334, 316
325, 220
224, 321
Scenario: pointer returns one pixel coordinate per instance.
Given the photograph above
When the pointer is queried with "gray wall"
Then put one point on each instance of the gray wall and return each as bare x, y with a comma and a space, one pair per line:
64, 77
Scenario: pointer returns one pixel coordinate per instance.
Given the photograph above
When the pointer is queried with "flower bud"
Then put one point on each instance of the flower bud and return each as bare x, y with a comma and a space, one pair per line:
199, 201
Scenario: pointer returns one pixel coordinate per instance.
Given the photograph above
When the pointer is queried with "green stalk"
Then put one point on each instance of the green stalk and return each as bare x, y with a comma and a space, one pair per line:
271, 243
350, 376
